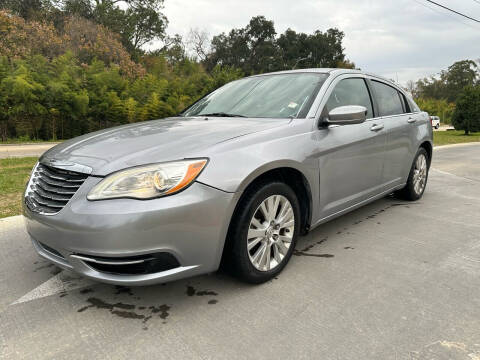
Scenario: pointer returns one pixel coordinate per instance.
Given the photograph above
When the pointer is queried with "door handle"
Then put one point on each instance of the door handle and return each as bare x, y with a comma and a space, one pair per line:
376, 127
411, 120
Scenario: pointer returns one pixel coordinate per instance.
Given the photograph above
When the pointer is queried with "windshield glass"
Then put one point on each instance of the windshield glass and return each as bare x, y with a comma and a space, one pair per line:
269, 96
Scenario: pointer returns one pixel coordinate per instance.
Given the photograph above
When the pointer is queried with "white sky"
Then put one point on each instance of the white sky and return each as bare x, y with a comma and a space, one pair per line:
393, 38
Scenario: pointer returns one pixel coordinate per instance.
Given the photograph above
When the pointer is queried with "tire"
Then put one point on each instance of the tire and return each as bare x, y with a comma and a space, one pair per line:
437, 126
412, 191
247, 264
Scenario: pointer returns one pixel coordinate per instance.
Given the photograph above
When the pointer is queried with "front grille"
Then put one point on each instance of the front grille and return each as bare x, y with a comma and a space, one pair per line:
50, 189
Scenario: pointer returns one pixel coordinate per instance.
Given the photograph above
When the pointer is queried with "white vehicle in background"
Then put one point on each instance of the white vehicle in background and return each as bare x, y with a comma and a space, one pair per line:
435, 120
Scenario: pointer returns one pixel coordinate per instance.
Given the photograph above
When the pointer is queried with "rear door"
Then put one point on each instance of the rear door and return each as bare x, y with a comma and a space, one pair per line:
350, 156
399, 121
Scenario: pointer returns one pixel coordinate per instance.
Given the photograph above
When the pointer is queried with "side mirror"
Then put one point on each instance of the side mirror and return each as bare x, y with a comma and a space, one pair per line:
347, 115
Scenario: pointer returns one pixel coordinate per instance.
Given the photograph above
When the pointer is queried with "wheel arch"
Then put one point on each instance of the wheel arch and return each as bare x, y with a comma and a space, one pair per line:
427, 145
291, 176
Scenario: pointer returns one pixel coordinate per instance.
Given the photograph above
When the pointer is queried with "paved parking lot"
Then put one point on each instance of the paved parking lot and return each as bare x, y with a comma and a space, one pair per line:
393, 280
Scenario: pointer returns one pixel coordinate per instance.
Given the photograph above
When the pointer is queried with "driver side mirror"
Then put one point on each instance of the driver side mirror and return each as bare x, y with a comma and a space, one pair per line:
347, 115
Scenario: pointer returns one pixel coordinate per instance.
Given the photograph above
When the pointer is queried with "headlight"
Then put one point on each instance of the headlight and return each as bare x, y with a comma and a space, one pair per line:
147, 182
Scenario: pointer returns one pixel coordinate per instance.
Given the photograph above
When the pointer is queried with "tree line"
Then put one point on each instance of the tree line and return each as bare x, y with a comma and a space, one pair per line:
68, 67
453, 95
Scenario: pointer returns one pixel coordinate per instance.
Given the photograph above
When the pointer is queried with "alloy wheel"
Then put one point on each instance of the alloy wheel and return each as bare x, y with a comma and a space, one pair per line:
270, 233
420, 174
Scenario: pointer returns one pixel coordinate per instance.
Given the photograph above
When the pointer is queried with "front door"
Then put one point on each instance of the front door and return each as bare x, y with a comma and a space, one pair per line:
351, 157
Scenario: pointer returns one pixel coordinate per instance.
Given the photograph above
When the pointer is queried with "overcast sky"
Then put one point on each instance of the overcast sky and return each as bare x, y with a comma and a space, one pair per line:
408, 39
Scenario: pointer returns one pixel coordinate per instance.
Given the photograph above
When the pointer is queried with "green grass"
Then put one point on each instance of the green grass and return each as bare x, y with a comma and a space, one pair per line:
453, 137
14, 173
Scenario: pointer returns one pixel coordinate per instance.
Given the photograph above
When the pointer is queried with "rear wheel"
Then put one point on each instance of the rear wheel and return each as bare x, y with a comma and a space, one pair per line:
264, 232
437, 126
417, 179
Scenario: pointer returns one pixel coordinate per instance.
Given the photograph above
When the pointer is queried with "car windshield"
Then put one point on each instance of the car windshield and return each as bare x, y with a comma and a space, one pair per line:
268, 96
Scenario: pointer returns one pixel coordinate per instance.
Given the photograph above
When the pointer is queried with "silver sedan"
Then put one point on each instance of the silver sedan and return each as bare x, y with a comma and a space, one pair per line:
234, 180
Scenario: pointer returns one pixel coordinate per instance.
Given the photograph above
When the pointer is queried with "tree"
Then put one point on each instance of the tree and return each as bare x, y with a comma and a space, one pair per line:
441, 108
310, 51
252, 49
20, 38
91, 41
26, 9
64, 73
173, 49
256, 49
459, 75
138, 22
131, 110
467, 110
412, 88
450, 82
199, 43
23, 96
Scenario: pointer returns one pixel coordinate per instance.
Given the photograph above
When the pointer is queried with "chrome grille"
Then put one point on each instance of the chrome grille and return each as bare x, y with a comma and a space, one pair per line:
50, 189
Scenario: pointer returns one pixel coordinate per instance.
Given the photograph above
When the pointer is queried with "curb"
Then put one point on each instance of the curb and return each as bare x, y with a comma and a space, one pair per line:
455, 145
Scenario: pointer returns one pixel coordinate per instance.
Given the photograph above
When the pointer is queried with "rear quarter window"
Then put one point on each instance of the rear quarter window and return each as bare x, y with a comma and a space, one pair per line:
413, 105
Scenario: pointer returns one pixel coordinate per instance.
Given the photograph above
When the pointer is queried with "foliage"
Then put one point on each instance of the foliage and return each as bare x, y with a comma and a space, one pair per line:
27, 9
68, 67
256, 49
137, 22
63, 97
450, 82
441, 108
19, 38
467, 111
87, 40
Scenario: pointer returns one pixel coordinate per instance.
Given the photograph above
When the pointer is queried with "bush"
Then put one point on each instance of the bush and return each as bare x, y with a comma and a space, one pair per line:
467, 111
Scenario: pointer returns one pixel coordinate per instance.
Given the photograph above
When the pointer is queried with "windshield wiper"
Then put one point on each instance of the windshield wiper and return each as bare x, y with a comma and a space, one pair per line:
221, 114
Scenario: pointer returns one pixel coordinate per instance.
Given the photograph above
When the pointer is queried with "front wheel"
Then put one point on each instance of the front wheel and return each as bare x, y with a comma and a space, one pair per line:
437, 126
417, 179
264, 232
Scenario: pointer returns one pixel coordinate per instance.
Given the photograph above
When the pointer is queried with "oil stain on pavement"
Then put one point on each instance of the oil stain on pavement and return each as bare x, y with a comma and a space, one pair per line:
127, 311
143, 313
306, 250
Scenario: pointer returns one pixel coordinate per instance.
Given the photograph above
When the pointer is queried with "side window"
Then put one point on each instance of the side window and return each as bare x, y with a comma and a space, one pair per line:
352, 91
388, 99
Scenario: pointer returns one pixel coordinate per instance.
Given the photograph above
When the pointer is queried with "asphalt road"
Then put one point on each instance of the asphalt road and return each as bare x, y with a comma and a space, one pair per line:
23, 150
393, 280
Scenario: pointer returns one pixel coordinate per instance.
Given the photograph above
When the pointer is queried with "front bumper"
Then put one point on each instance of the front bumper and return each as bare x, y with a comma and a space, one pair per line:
190, 226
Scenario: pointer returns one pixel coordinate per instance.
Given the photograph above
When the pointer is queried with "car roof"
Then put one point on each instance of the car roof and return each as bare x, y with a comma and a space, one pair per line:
332, 71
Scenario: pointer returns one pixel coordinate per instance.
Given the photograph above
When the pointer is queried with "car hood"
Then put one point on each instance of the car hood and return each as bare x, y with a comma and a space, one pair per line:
147, 142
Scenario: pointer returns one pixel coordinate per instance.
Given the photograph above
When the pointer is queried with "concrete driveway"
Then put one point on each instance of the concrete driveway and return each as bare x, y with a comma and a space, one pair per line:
393, 280
23, 150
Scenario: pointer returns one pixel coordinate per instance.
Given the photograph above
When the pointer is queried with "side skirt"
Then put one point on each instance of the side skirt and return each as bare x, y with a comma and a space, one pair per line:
356, 206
